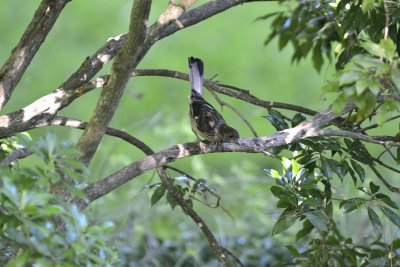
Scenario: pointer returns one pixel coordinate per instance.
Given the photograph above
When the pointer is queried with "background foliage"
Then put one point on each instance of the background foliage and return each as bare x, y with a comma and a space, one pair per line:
316, 203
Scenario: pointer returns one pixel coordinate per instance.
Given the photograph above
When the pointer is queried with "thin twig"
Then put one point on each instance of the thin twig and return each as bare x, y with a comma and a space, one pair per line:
238, 93
386, 183
78, 124
219, 251
358, 136
17, 154
223, 103
386, 166
376, 125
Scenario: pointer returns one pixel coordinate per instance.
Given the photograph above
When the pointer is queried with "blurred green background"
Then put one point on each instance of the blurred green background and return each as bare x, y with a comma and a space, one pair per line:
155, 111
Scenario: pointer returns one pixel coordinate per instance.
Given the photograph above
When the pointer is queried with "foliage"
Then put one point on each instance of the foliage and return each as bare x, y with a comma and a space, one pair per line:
39, 227
316, 26
304, 192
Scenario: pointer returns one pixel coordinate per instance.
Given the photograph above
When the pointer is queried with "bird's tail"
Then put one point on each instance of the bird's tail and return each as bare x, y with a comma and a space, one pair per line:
196, 69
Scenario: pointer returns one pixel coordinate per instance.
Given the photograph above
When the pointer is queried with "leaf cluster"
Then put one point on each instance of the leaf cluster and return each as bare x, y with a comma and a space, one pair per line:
39, 227
315, 27
304, 192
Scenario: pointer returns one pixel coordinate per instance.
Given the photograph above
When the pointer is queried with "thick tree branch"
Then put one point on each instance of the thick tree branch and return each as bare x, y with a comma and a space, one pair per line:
191, 17
43, 109
255, 145
126, 60
22, 55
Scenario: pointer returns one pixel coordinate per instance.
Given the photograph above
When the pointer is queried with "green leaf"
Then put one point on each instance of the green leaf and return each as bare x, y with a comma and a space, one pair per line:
337, 168
376, 222
349, 77
277, 119
389, 47
394, 217
395, 75
326, 167
339, 103
297, 119
367, 5
307, 228
284, 194
374, 188
374, 49
351, 204
317, 58
19, 260
292, 250
75, 191
318, 219
267, 16
288, 168
330, 87
374, 87
285, 221
396, 244
358, 169
398, 155
171, 201
272, 173
361, 85
387, 200
157, 194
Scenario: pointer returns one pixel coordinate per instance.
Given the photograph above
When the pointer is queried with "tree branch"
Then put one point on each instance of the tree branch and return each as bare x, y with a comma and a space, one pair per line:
77, 124
359, 136
17, 154
40, 112
219, 251
22, 55
126, 60
383, 180
255, 145
224, 89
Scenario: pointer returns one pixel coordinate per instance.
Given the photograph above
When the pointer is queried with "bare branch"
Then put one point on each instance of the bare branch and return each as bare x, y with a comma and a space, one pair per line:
17, 154
174, 11
375, 125
228, 90
22, 55
42, 110
223, 103
124, 63
73, 123
191, 17
386, 165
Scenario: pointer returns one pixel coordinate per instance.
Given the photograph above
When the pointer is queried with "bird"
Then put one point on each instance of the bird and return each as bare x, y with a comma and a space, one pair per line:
206, 122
